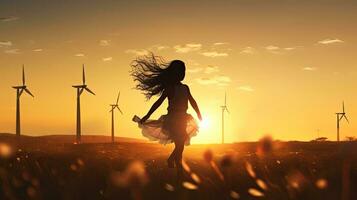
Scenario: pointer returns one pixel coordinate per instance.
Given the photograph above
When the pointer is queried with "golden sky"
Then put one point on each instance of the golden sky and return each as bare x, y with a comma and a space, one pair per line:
286, 65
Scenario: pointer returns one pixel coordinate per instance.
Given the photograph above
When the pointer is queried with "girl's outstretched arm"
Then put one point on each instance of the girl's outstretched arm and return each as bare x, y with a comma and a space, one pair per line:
154, 106
194, 104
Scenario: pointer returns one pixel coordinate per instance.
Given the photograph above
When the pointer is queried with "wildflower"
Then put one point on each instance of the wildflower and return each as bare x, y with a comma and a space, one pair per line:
5, 150
134, 176
234, 195
254, 192
321, 183
189, 186
250, 170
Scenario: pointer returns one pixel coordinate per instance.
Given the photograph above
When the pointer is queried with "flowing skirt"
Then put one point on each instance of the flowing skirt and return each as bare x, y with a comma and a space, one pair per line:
169, 128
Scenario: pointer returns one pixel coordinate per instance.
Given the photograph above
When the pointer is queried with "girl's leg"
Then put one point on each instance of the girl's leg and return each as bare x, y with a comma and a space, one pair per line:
171, 159
179, 147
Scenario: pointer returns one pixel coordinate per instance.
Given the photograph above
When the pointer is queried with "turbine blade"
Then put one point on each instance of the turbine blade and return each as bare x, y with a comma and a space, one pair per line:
346, 118
83, 76
340, 117
28, 92
88, 90
23, 75
227, 110
118, 98
119, 109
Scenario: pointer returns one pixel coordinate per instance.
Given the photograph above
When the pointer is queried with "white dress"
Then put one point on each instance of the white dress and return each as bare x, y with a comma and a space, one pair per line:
159, 130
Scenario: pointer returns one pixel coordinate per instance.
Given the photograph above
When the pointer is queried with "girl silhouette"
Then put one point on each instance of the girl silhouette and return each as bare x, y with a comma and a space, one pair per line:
156, 77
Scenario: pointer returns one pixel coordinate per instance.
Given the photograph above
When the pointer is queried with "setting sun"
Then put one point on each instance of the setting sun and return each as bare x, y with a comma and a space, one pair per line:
209, 129
205, 124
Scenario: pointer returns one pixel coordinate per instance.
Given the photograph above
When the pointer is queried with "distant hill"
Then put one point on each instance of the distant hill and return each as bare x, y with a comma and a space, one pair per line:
68, 138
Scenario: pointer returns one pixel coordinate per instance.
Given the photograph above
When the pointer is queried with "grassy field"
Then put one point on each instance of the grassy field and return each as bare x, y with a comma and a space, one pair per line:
53, 167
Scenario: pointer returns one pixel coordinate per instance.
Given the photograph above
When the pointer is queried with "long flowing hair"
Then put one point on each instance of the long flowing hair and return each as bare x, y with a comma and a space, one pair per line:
153, 74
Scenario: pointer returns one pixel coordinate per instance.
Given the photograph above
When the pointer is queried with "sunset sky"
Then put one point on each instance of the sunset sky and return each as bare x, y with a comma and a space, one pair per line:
286, 65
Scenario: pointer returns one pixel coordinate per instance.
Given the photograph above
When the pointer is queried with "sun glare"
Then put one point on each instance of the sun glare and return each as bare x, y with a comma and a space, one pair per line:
205, 124
208, 130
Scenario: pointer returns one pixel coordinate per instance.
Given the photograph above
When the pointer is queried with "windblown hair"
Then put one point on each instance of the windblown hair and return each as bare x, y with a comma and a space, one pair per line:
154, 74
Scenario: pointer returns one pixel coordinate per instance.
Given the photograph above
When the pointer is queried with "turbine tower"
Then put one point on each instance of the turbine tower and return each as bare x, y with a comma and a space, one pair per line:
19, 90
114, 106
339, 117
80, 89
224, 108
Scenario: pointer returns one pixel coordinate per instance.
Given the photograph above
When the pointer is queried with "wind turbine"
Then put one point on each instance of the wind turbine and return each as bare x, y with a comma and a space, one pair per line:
114, 106
339, 117
19, 90
80, 89
224, 108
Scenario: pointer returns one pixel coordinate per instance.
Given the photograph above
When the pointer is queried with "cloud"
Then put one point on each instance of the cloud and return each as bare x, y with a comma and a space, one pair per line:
219, 43
292, 48
194, 70
330, 41
309, 68
214, 54
216, 80
37, 50
248, 50
104, 43
12, 51
206, 70
106, 59
272, 48
206, 81
138, 52
187, 48
246, 88
79, 55
159, 47
5, 43
162, 47
190, 62
211, 69
280, 50
9, 19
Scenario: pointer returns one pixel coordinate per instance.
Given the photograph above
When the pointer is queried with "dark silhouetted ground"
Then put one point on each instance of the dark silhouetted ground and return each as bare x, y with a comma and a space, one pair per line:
53, 168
